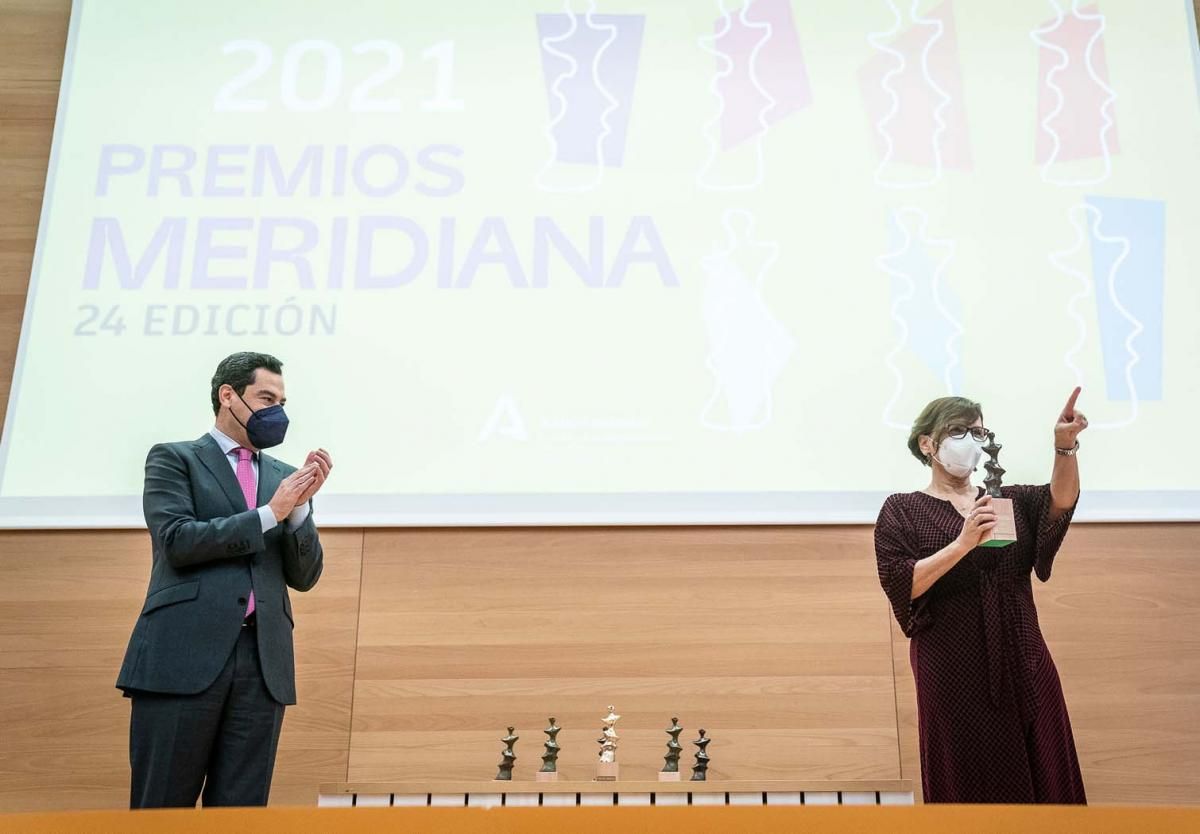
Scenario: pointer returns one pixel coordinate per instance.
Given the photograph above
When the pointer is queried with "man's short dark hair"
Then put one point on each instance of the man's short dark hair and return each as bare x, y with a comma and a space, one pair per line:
238, 371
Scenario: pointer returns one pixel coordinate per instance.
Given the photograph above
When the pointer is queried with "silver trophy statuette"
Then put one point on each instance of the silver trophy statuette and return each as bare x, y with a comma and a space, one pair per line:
606, 768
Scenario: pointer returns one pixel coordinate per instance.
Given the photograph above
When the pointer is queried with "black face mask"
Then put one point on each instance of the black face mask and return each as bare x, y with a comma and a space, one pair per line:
266, 427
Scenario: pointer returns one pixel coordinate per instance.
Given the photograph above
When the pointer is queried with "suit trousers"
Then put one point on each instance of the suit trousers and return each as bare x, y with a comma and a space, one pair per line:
220, 742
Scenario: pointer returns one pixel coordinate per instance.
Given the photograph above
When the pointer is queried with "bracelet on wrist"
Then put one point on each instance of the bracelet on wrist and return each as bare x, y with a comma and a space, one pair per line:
1067, 452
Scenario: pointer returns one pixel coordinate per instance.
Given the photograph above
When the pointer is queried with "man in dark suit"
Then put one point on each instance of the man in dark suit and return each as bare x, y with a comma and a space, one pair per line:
210, 667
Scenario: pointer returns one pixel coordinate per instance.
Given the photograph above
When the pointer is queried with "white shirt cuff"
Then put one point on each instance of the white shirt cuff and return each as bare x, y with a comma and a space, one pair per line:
297, 516
267, 516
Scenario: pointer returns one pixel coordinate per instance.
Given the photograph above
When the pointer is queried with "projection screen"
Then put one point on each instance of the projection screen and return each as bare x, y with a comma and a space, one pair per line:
617, 262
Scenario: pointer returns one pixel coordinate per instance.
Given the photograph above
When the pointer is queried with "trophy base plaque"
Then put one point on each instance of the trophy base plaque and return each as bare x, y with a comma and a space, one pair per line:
606, 772
664, 776
1005, 531
543, 776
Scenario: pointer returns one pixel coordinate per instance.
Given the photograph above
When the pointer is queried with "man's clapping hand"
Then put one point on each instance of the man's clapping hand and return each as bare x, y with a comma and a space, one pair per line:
291, 491
324, 465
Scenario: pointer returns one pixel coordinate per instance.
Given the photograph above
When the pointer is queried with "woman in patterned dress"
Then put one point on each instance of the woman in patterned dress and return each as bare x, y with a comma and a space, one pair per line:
992, 721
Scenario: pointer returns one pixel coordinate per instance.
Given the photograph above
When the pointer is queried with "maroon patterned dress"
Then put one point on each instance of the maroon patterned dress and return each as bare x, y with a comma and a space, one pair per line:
992, 721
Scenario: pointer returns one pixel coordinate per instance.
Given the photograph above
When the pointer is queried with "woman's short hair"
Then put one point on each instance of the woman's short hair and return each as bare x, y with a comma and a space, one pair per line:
938, 416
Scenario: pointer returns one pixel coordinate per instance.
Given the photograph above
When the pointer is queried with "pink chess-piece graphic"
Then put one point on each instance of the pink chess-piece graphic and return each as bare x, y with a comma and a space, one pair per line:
1075, 102
912, 91
759, 80
767, 80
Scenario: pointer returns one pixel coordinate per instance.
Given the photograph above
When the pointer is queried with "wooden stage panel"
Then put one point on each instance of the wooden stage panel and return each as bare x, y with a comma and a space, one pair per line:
774, 642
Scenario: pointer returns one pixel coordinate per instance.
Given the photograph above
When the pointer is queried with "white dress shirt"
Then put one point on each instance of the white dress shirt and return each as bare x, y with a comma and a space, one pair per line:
265, 513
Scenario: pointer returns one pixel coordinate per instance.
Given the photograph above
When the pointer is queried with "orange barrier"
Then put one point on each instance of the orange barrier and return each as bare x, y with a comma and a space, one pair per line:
918, 820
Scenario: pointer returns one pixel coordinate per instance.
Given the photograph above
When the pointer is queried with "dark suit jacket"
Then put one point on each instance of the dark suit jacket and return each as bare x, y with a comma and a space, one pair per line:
207, 549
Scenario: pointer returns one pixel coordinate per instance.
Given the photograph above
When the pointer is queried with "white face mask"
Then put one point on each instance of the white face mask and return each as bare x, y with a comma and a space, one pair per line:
959, 455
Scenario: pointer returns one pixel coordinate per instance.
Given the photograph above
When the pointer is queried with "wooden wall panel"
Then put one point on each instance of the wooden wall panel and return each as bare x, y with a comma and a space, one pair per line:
773, 639
1122, 618
68, 601
33, 35
67, 604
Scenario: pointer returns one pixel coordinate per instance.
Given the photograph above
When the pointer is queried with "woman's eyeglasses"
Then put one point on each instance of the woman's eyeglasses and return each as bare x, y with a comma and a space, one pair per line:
979, 433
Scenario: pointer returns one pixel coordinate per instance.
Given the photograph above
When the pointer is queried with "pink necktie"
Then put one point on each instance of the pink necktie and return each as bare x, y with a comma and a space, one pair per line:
246, 480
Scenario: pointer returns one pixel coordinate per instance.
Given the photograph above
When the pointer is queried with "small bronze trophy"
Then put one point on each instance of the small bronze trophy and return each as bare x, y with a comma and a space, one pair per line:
509, 757
549, 771
700, 768
1005, 531
670, 771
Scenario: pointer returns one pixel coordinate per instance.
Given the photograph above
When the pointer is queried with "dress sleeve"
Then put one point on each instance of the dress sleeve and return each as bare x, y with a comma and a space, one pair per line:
895, 556
1033, 504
